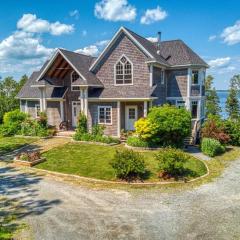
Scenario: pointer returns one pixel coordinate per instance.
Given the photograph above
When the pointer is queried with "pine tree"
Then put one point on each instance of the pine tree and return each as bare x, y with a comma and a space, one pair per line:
232, 103
212, 99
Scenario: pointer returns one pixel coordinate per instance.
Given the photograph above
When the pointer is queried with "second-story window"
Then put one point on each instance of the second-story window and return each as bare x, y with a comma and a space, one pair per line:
123, 71
195, 77
74, 77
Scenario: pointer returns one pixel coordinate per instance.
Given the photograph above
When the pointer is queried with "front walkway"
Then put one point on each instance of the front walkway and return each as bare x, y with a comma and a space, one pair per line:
41, 145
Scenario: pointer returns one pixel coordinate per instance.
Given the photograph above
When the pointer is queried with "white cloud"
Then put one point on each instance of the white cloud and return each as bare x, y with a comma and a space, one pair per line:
30, 23
74, 13
231, 34
115, 10
91, 50
22, 52
94, 49
219, 62
153, 15
212, 38
102, 43
152, 39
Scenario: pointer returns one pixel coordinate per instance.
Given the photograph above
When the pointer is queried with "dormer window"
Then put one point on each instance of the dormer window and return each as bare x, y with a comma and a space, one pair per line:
74, 78
123, 71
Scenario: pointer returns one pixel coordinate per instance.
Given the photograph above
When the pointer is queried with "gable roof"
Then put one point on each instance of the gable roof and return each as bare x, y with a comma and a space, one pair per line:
171, 53
34, 93
79, 62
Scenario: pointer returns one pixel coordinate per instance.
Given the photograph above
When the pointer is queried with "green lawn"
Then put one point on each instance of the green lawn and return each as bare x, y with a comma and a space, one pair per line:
93, 161
8, 144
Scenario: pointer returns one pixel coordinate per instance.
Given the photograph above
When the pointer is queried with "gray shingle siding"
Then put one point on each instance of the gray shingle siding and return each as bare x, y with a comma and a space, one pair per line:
141, 86
177, 83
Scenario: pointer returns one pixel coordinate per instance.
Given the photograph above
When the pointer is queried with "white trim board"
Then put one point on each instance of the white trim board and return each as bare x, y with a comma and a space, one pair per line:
52, 60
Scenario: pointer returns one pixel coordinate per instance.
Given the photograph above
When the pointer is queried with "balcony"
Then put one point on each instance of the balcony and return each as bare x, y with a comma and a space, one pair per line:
195, 90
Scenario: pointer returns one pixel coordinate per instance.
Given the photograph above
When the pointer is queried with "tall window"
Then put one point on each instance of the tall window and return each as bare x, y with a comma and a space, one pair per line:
123, 71
74, 77
105, 114
194, 109
195, 76
37, 110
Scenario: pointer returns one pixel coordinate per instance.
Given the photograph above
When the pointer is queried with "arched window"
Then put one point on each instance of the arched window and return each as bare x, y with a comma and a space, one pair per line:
74, 77
123, 71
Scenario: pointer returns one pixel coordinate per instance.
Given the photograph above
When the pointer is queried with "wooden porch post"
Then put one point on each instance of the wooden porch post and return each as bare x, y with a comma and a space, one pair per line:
86, 102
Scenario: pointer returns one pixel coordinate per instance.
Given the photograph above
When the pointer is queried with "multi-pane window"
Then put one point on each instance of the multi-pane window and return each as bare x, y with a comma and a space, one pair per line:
75, 76
105, 114
123, 71
194, 109
195, 76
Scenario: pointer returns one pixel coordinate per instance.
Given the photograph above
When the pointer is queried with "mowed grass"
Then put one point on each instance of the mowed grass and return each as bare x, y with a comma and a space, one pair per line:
8, 144
94, 161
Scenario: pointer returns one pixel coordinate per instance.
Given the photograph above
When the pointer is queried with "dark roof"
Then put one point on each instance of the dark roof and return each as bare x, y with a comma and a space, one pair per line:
82, 63
123, 92
33, 92
174, 52
45, 82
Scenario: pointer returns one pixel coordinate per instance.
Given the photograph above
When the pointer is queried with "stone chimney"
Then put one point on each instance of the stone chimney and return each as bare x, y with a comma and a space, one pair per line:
159, 35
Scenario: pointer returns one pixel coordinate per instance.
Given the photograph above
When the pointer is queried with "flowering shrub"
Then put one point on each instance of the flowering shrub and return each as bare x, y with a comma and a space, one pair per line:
165, 126
214, 128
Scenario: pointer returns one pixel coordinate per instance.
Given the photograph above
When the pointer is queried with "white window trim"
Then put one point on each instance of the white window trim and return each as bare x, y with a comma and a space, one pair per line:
104, 106
124, 84
37, 105
72, 82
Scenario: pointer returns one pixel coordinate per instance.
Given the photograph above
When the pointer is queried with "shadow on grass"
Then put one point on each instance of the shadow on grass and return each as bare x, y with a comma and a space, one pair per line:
9, 155
19, 199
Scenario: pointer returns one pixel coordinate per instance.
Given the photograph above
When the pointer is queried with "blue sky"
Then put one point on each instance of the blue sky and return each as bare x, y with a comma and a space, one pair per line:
31, 30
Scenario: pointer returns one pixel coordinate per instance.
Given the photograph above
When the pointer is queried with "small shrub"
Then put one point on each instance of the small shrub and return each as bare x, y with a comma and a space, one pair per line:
171, 161
82, 123
211, 147
98, 130
128, 165
42, 120
137, 142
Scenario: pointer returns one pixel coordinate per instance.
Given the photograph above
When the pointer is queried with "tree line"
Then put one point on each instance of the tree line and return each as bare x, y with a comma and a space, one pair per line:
232, 104
9, 89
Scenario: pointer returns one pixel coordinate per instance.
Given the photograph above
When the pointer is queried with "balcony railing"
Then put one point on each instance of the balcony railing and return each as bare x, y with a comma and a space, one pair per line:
195, 90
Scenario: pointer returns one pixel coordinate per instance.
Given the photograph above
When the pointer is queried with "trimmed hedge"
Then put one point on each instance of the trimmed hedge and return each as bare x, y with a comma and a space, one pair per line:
138, 142
211, 147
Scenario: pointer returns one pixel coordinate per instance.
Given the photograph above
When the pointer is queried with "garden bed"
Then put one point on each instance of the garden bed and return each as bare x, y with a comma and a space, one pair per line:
28, 163
93, 161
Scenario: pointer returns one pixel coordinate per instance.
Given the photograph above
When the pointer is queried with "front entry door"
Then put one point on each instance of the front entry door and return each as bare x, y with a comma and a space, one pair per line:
131, 117
76, 108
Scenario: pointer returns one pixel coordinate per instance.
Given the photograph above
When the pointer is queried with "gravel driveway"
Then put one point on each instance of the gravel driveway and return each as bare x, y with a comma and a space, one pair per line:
59, 210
